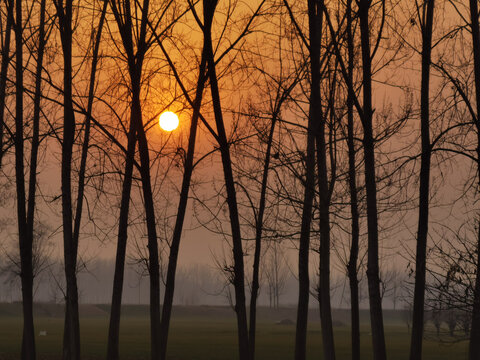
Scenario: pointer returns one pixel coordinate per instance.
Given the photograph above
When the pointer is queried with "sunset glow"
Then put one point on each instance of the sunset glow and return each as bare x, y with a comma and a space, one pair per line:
168, 121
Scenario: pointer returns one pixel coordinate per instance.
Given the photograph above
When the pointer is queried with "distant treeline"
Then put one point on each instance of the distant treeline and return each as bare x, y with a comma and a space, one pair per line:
197, 284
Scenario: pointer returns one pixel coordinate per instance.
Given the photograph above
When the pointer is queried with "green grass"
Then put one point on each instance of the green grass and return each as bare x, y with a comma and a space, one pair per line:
201, 338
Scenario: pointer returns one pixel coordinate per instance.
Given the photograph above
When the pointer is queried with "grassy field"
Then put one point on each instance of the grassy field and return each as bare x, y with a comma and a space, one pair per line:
208, 336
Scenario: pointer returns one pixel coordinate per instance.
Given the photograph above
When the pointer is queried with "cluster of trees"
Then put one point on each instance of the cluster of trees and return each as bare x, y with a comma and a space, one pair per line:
320, 116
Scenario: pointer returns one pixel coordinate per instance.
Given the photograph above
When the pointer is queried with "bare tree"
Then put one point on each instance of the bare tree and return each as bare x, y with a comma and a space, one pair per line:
135, 49
460, 271
426, 24
365, 112
238, 274
314, 118
71, 220
72, 326
182, 206
276, 272
114, 325
352, 266
255, 171
474, 346
325, 185
378, 336
26, 203
11, 266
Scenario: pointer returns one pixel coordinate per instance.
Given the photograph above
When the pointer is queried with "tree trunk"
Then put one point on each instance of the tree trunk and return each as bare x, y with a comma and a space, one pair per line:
135, 54
258, 241
114, 327
352, 185
25, 229
182, 206
32, 184
72, 326
315, 14
474, 345
304, 246
153, 258
86, 137
324, 281
376, 316
422, 233
238, 266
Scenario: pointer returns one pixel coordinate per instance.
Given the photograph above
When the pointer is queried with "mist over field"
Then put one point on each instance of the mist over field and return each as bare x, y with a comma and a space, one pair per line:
197, 284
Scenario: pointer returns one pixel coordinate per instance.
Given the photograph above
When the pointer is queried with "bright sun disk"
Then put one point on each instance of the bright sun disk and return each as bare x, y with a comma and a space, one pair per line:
168, 121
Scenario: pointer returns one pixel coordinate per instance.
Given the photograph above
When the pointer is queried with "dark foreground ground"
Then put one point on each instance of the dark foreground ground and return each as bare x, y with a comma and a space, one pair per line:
209, 333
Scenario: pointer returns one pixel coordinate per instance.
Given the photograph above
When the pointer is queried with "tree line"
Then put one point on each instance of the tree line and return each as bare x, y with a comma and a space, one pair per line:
337, 127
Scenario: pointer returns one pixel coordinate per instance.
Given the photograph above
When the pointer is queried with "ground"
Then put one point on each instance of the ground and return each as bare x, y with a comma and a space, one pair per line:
204, 333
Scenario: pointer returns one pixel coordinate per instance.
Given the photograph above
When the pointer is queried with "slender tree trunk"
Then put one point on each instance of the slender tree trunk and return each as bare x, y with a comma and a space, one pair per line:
352, 185
135, 54
238, 266
421, 256
376, 316
26, 212
114, 327
324, 281
72, 325
276, 278
258, 241
86, 137
182, 207
474, 345
32, 184
315, 12
304, 247
239, 272
352, 262
85, 146
25, 241
4, 71
153, 259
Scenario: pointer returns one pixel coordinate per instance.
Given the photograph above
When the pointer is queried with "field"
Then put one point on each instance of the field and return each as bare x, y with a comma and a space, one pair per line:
203, 333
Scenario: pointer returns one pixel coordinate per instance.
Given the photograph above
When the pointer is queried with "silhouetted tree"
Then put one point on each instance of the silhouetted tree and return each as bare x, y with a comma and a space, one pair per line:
365, 111
135, 44
182, 207
352, 266
325, 185
238, 274
426, 24
72, 325
26, 203
276, 272
474, 346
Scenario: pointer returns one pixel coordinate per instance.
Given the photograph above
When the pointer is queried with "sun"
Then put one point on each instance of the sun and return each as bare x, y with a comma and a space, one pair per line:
168, 121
